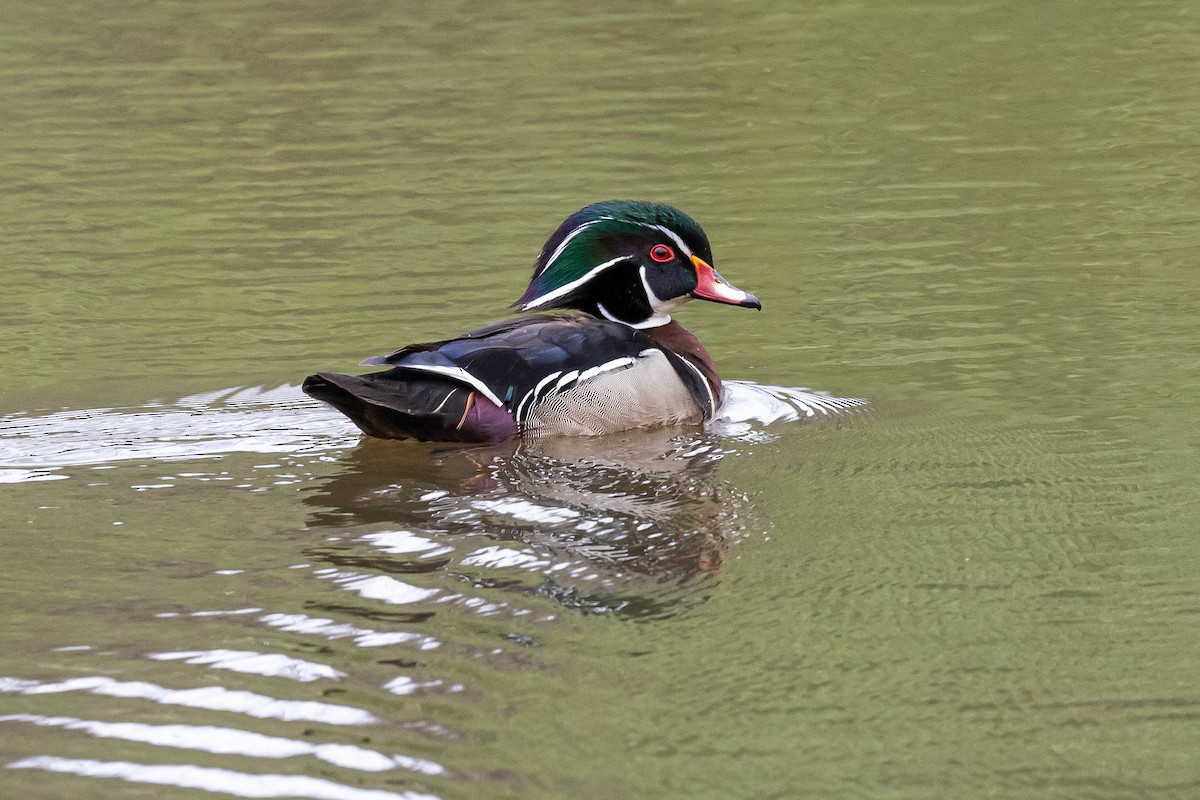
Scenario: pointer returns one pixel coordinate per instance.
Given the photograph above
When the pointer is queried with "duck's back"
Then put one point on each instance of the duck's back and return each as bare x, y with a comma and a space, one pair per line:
571, 374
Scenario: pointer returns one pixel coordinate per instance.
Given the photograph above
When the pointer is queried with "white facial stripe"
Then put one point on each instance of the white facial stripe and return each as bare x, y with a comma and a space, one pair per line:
458, 373
567, 240
605, 313
686, 250
658, 319
655, 301
662, 308
674, 236
569, 287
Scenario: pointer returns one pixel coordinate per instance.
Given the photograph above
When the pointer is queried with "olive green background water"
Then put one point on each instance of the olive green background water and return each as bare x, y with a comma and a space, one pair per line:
984, 217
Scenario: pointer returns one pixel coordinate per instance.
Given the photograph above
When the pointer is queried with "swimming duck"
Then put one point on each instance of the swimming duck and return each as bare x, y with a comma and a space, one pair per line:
607, 358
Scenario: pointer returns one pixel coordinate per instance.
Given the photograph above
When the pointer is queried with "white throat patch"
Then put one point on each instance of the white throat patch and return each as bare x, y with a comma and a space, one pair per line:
662, 308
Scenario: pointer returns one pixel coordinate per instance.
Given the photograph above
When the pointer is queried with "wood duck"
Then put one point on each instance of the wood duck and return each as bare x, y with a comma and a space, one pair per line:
609, 358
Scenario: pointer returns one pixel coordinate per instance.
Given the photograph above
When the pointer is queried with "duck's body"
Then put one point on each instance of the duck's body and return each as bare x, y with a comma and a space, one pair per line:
614, 361
566, 373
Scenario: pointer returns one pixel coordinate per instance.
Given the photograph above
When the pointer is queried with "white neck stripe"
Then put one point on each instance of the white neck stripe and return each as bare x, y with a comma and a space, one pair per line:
652, 321
653, 300
605, 313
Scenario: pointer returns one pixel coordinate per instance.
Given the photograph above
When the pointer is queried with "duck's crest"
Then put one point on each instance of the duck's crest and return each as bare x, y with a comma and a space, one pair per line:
591, 240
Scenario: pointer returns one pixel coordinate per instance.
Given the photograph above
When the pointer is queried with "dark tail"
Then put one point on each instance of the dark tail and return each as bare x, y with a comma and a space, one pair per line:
399, 404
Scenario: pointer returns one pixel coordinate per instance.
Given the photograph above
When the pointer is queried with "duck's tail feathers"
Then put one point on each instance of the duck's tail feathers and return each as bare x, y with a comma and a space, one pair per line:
401, 404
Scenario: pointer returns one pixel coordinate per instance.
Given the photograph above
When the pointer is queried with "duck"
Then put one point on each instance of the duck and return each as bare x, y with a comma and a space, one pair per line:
595, 352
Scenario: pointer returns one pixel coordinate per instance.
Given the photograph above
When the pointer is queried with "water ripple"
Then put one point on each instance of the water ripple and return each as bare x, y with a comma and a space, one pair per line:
233, 741
280, 420
275, 665
213, 779
211, 698
363, 637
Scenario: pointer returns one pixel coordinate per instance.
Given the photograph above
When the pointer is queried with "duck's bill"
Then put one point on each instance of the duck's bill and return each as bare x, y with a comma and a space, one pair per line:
711, 286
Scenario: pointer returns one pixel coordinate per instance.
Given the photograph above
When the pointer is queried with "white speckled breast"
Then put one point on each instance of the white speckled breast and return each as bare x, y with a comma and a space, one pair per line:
646, 394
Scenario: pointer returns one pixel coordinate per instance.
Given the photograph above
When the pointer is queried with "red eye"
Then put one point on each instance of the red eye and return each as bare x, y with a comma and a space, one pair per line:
661, 253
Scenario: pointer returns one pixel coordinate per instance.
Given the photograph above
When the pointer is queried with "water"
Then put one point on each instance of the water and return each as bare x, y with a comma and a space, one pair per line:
981, 217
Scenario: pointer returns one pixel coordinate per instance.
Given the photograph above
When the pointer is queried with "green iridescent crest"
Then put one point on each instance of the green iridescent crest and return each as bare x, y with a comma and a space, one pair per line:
600, 236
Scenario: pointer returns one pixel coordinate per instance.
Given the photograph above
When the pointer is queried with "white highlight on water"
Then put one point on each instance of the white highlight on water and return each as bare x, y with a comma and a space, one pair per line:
211, 698
273, 665
281, 420
212, 779
233, 741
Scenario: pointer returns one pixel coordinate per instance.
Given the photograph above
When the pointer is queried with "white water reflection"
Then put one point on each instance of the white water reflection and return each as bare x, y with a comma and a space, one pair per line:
233, 741
404, 685
210, 698
525, 511
747, 403
622, 525
280, 420
316, 626
378, 587
29, 475
235, 612
273, 665
212, 779
363, 637
497, 557
398, 542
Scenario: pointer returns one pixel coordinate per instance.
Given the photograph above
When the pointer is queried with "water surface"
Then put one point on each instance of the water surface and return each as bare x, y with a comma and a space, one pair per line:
981, 217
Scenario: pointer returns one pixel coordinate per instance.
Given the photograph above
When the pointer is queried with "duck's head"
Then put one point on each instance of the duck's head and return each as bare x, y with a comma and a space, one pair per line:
628, 261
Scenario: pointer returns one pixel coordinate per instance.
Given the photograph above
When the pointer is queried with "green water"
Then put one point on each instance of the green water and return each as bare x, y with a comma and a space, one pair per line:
983, 217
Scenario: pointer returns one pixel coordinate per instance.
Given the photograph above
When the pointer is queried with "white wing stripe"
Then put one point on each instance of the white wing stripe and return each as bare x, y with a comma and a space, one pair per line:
530, 395
458, 373
616, 363
565, 379
530, 399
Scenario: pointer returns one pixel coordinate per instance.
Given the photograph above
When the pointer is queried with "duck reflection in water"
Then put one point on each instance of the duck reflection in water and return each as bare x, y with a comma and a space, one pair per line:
630, 523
